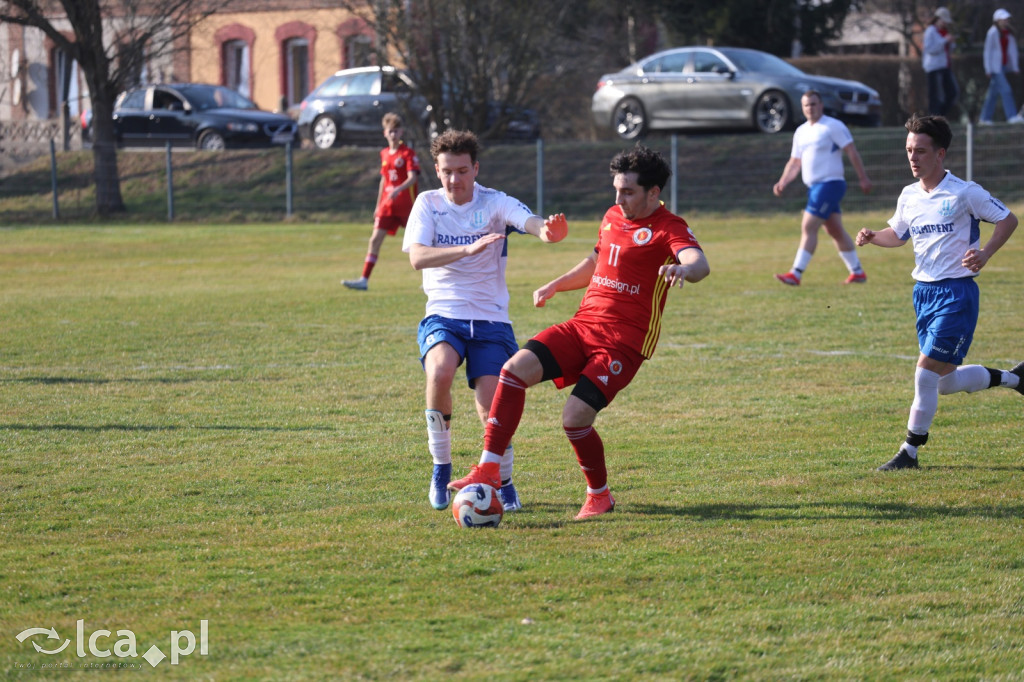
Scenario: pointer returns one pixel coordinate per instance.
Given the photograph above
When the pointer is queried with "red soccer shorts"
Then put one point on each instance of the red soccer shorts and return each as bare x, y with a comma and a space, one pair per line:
581, 350
390, 223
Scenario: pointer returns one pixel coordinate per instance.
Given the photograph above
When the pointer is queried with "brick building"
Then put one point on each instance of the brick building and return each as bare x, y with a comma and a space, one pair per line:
273, 51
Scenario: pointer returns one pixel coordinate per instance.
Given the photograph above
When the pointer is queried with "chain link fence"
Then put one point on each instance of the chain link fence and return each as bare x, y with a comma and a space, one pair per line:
719, 173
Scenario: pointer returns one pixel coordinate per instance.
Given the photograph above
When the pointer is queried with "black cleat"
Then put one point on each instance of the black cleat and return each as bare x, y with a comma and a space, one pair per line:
1019, 371
901, 461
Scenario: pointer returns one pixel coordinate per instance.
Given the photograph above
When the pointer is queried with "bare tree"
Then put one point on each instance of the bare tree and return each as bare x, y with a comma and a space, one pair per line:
475, 61
112, 41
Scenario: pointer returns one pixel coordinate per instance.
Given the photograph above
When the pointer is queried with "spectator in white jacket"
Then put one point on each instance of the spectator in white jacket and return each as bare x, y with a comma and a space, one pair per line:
938, 63
1000, 59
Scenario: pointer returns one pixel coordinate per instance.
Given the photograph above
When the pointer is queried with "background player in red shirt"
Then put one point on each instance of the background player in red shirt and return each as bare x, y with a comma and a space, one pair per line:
642, 251
399, 173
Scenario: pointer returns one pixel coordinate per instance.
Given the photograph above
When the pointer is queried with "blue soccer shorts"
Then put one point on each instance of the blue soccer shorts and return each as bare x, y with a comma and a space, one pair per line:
483, 346
823, 198
947, 315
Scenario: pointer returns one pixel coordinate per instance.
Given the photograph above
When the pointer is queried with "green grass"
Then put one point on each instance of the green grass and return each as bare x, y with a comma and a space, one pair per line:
198, 422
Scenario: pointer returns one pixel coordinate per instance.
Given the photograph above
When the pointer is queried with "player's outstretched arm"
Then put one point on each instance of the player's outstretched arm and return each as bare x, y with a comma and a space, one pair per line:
577, 278
692, 267
975, 259
422, 256
886, 238
552, 230
789, 174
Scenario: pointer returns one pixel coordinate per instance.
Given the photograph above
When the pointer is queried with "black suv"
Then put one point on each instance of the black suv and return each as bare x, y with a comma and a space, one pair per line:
196, 115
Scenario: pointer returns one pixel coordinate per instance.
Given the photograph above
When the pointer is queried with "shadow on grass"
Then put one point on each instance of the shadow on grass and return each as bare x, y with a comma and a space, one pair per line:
145, 428
56, 381
813, 511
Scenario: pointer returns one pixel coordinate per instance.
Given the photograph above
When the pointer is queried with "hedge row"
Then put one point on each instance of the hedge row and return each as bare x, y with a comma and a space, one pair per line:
902, 86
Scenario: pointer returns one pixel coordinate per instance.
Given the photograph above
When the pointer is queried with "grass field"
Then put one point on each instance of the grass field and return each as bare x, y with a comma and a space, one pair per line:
199, 424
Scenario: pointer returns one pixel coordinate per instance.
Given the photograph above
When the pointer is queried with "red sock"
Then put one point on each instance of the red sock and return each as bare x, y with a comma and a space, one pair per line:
368, 264
506, 411
590, 454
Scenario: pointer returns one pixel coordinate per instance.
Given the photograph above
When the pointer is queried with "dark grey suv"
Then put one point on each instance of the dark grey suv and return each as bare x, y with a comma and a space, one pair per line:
347, 109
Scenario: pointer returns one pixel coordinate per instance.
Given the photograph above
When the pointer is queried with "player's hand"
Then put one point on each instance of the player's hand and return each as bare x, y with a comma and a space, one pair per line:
975, 259
865, 236
865, 186
673, 274
480, 244
777, 189
555, 229
543, 295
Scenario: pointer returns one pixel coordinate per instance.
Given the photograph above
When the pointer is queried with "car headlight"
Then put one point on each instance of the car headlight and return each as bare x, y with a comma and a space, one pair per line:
243, 127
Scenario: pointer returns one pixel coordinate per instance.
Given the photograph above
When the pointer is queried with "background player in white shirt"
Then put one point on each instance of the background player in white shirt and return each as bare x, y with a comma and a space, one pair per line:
941, 213
456, 236
817, 155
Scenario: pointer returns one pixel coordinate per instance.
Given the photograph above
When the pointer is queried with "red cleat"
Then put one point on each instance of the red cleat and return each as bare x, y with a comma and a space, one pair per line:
487, 474
789, 278
596, 504
856, 278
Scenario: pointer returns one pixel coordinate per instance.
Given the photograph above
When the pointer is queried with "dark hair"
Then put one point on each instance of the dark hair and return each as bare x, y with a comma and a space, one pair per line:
455, 142
650, 168
812, 93
935, 127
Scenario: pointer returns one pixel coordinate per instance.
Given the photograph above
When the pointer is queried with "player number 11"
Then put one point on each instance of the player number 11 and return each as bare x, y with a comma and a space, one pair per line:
613, 255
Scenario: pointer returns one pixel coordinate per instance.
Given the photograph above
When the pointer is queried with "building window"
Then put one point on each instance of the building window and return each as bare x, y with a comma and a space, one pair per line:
132, 59
65, 86
235, 44
235, 64
296, 70
298, 54
357, 43
358, 51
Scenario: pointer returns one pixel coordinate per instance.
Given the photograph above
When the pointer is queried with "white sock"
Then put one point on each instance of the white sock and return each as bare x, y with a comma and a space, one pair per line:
439, 438
926, 401
969, 378
506, 464
852, 261
800, 263
488, 457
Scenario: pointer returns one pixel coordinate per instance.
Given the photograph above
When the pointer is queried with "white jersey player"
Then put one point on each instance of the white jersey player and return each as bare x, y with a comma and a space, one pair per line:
817, 156
456, 236
941, 214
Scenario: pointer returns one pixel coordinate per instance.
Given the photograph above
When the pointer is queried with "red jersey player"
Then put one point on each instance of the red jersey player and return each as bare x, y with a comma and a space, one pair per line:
642, 251
399, 172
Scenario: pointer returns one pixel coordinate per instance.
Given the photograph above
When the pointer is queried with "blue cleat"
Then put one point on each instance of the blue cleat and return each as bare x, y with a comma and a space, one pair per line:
509, 497
439, 496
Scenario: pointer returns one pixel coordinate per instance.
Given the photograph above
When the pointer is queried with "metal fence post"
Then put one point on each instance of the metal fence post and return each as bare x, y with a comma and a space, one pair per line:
970, 151
288, 179
540, 177
53, 179
675, 174
170, 185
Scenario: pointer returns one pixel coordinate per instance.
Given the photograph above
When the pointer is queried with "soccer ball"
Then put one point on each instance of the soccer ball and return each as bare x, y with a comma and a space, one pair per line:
477, 505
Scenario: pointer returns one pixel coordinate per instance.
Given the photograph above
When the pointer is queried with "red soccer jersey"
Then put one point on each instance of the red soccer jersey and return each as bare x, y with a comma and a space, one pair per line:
395, 167
626, 296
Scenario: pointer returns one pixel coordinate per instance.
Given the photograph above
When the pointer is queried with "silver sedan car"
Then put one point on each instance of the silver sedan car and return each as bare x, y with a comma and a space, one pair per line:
721, 87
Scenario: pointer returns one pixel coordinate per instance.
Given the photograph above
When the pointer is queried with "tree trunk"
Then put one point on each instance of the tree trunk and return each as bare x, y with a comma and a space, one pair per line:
104, 154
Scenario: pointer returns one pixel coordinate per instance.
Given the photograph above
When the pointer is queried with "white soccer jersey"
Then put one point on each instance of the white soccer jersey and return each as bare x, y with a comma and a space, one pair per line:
820, 149
471, 288
944, 224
